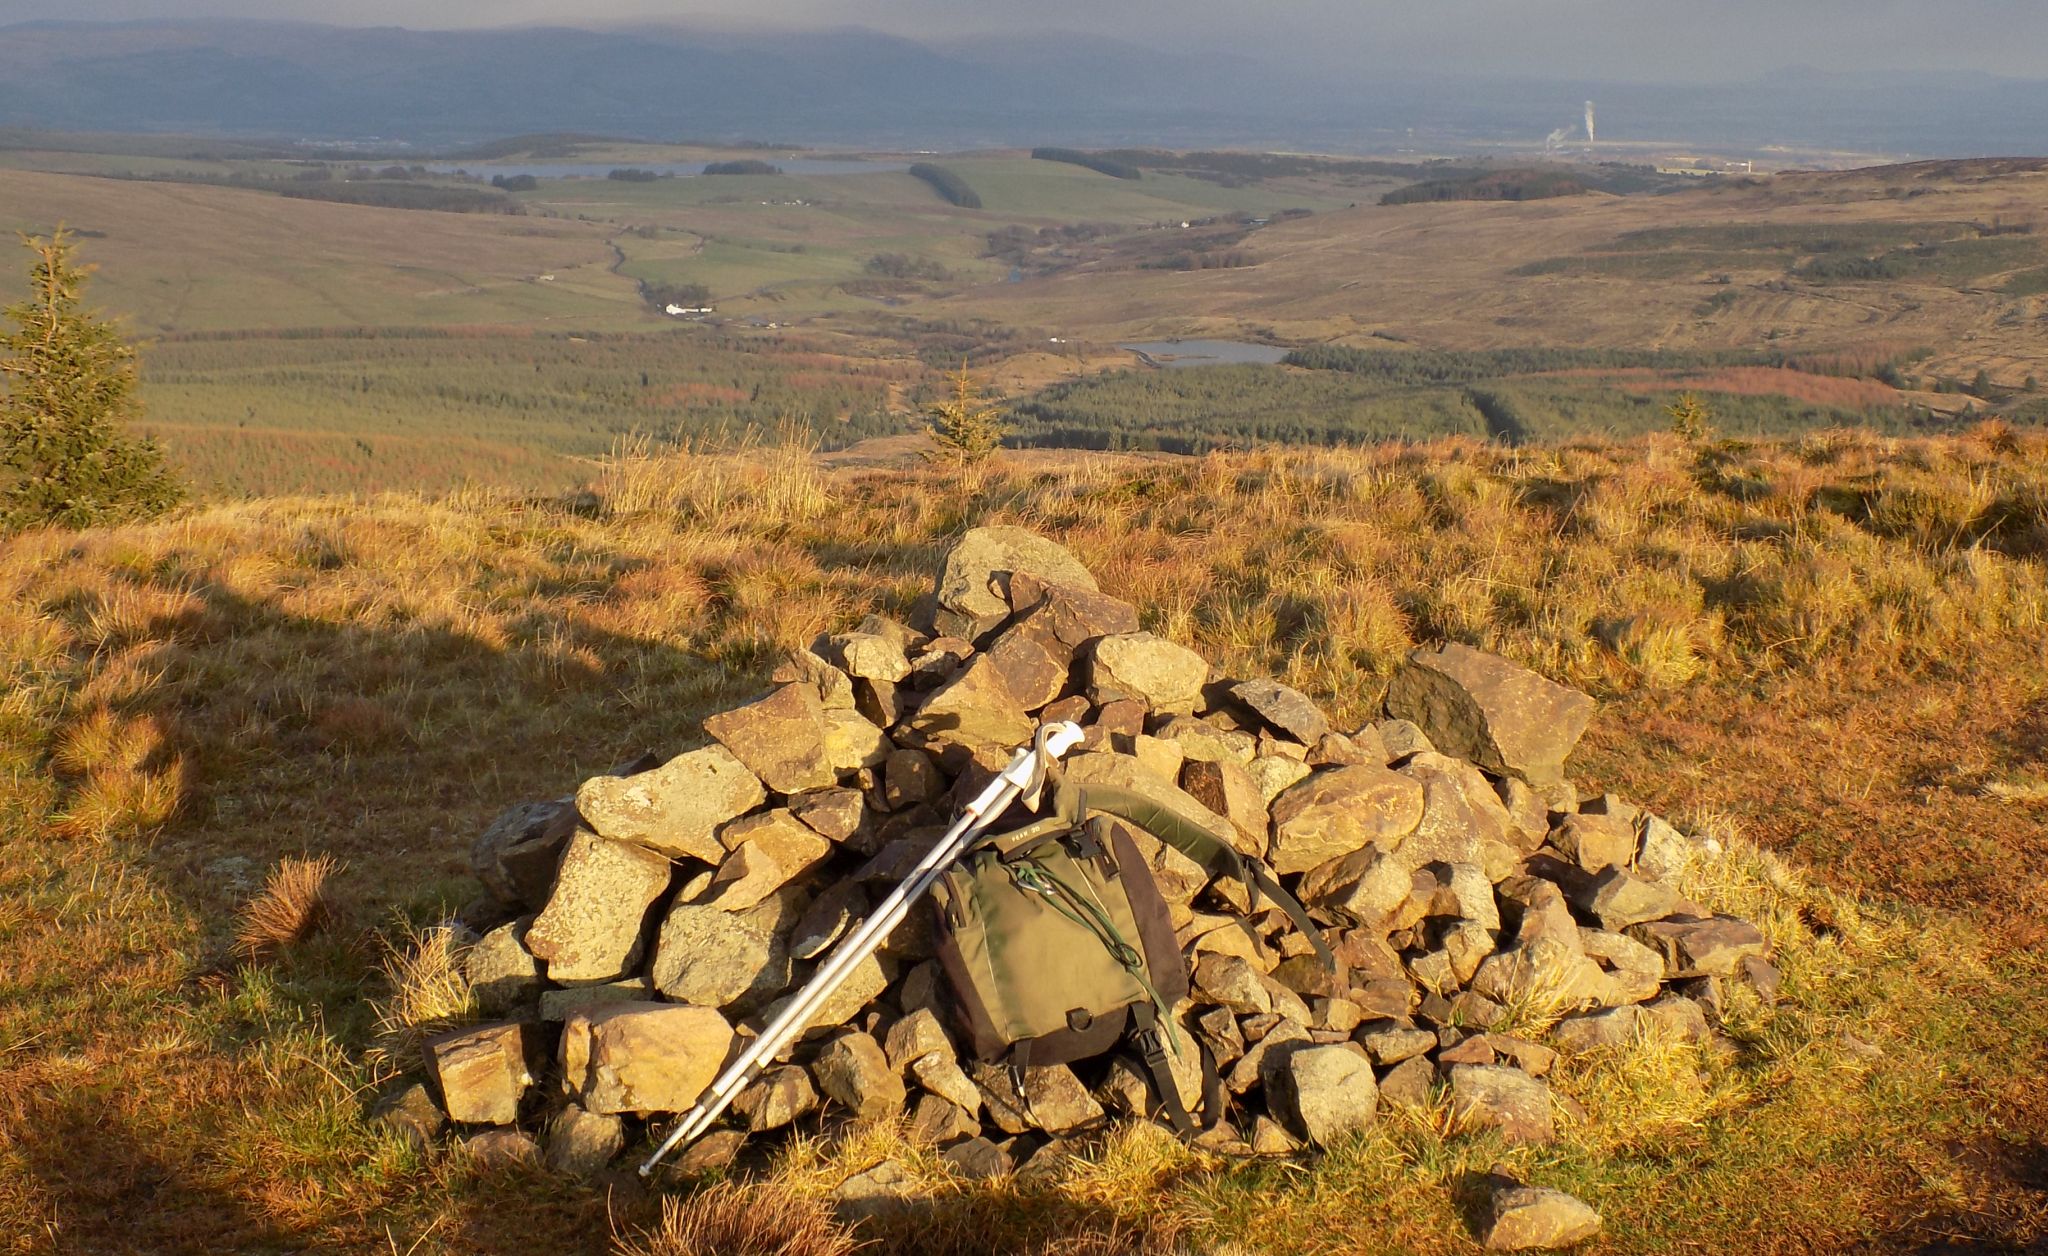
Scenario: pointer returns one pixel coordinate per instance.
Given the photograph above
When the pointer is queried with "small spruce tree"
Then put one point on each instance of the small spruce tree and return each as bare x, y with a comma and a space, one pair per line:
1691, 418
69, 389
966, 426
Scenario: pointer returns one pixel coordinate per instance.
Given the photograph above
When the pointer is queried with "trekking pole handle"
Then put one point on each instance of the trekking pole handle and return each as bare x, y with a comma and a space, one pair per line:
1024, 775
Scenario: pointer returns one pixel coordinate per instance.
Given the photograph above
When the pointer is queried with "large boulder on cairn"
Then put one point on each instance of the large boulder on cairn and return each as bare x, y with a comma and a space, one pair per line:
971, 591
643, 1057
676, 808
1481, 707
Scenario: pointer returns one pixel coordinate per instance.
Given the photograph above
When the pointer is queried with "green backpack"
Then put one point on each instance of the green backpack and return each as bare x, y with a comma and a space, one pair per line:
1057, 943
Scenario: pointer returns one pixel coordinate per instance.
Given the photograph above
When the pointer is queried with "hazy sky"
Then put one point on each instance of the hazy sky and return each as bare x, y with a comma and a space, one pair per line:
1621, 39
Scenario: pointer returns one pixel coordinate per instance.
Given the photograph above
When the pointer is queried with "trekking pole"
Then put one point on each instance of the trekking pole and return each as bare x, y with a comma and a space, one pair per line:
1023, 776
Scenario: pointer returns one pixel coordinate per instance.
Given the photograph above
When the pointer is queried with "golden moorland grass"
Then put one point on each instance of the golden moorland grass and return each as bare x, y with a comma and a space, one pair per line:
1828, 652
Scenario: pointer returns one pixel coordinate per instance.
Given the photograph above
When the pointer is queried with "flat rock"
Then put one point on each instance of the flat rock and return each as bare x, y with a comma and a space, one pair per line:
1288, 710
560, 1005
1052, 1100
781, 738
827, 919
916, 1035
500, 1149
973, 584
1164, 675
1546, 972
1324, 1092
1713, 946
936, 1122
1478, 706
643, 1057
482, 1072
1072, 615
886, 1188
1675, 1017
1402, 738
674, 809
1528, 1218
580, 1144
910, 777
1338, 811
1576, 1035
768, 852
853, 741
1619, 900
590, 929
1506, 1099
1462, 822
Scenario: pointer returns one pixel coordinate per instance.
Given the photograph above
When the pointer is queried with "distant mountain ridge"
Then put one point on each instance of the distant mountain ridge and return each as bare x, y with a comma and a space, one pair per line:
861, 87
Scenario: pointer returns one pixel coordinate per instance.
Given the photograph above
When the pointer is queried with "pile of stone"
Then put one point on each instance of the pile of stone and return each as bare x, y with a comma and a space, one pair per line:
636, 933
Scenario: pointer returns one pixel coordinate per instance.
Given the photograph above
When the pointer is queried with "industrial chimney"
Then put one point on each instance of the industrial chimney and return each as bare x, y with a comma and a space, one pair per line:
1589, 124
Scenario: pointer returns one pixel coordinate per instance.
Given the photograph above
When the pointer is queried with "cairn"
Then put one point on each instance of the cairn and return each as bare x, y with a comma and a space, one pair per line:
1486, 917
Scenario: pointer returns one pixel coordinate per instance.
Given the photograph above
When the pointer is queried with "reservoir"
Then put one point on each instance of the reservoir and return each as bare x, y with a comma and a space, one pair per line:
1206, 353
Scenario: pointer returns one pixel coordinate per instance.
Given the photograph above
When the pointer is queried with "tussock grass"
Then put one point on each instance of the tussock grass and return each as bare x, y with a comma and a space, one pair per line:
426, 992
294, 903
729, 1219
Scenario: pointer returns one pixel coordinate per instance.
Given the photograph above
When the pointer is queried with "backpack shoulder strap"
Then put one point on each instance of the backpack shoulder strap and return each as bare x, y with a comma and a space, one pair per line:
1194, 840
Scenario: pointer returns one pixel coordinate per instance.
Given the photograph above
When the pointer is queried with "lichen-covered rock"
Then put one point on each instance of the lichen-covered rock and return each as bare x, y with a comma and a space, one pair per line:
643, 1057
1034, 666
674, 809
590, 929
1072, 615
768, 852
482, 1072
1618, 900
1527, 1218
1507, 1099
1609, 1027
781, 738
711, 957
854, 1071
778, 1097
1463, 821
501, 972
871, 656
1338, 811
1481, 707
1324, 1092
972, 590
1165, 676
581, 1144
